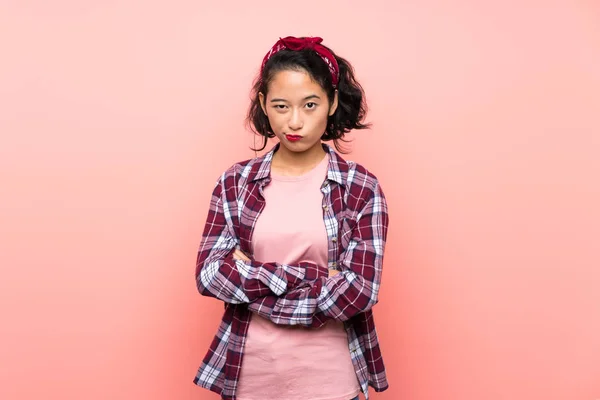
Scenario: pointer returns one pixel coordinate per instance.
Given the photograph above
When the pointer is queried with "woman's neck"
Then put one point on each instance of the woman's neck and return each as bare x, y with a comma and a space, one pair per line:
286, 162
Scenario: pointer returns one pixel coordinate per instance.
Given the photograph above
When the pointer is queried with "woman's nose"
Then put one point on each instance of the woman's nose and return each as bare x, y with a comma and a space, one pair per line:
295, 122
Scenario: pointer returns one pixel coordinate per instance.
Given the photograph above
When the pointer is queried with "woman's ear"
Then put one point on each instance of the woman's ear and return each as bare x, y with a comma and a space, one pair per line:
261, 99
334, 104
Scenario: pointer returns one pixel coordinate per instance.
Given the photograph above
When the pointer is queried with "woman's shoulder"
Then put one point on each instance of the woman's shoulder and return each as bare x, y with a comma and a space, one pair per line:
361, 170
240, 171
357, 174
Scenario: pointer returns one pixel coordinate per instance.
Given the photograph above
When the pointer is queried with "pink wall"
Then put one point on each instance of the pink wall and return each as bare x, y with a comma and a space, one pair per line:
116, 119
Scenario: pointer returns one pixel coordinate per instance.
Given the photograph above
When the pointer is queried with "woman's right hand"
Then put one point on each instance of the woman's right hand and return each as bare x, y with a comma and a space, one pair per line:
240, 255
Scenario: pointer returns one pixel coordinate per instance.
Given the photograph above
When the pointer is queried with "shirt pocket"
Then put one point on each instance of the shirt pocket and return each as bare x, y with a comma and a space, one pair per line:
347, 223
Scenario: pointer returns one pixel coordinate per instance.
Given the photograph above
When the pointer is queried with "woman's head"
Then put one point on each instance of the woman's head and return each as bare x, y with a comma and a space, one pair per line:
301, 92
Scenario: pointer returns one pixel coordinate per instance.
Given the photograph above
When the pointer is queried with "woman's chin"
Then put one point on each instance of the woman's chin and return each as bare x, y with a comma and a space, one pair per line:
299, 146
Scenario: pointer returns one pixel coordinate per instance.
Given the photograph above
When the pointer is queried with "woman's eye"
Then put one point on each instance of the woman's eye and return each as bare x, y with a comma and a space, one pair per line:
311, 105
279, 106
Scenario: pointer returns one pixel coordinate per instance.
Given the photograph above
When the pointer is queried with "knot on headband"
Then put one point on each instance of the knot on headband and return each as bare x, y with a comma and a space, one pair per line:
311, 43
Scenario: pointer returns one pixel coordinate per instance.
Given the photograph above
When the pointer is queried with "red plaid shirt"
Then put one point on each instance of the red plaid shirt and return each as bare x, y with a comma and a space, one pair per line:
356, 219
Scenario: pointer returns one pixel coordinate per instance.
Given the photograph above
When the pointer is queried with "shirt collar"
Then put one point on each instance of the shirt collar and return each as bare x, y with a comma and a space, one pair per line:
337, 170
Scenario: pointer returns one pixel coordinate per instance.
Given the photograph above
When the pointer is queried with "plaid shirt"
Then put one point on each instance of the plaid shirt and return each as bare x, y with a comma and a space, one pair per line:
356, 220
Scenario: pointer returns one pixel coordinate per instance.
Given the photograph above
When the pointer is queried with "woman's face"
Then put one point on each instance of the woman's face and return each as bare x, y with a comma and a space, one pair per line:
297, 108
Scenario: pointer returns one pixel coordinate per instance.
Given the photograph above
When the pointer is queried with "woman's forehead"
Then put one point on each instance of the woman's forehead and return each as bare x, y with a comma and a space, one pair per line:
294, 85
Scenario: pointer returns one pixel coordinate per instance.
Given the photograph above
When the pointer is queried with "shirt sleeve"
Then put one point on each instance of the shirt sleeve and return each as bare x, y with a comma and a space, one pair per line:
219, 275
352, 291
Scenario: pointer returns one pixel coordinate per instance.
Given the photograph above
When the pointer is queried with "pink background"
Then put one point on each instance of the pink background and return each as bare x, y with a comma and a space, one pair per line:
116, 118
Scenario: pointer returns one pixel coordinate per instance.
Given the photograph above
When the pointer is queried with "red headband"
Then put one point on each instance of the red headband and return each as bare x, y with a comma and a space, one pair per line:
312, 43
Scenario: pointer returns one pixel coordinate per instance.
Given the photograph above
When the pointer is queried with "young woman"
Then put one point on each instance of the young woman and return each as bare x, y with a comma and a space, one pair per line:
294, 242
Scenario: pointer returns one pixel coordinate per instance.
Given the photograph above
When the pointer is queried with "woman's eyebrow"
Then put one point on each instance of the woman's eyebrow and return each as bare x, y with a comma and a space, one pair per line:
312, 96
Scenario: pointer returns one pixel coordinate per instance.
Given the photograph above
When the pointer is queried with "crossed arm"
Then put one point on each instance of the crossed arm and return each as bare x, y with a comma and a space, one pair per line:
220, 275
300, 294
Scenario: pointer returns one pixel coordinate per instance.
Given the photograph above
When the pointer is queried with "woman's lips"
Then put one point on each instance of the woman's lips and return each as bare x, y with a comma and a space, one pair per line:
293, 138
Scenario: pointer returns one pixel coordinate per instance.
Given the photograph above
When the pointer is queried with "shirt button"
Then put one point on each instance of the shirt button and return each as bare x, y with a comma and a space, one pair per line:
325, 208
334, 264
334, 239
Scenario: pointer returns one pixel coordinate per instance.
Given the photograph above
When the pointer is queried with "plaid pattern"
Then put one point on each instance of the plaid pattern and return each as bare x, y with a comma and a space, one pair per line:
356, 219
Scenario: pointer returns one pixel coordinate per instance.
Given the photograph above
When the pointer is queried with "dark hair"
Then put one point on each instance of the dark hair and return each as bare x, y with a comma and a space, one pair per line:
351, 109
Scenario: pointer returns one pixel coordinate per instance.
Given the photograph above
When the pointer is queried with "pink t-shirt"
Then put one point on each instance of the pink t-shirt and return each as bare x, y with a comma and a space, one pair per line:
291, 362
